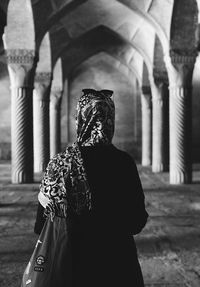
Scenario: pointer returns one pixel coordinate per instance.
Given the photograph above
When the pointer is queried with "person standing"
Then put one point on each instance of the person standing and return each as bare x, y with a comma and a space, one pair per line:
97, 188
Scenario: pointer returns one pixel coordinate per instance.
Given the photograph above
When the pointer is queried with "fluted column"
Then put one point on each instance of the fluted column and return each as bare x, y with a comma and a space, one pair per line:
159, 147
180, 70
146, 126
55, 121
41, 120
21, 67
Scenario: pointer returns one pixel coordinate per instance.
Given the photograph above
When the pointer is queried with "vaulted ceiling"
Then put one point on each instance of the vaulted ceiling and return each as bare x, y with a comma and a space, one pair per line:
131, 30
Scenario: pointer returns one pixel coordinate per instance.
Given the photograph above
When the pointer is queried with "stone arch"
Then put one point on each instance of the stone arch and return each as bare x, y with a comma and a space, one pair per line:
97, 38
98, 42
129, 71
20, 30
56, 16
66, 9
159, 70
143, 13
145, 76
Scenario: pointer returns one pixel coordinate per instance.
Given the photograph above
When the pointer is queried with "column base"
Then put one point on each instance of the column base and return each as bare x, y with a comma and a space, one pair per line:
20, 177
40, 167
180, 177
146, 162
158, 167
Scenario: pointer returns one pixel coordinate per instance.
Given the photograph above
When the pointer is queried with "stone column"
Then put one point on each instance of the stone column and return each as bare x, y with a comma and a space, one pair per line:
158, 126
41, 120
55, 121
180, 70
21, 67
146, 126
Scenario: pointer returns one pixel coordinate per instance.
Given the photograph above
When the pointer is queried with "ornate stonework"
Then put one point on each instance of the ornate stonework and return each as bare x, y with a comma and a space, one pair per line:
180, 136
56, 97
22, 136
180, 69
42, 87
20, 56
183, 58
43, 77
21, 67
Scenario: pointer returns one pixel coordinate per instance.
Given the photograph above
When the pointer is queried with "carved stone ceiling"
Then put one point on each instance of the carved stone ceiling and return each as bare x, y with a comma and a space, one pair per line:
79, 16
138, 22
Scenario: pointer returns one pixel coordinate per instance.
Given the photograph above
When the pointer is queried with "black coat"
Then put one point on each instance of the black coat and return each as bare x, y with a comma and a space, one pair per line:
103, 247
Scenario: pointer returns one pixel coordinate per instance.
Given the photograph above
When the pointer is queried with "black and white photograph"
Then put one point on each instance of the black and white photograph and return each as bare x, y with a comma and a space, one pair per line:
99, 143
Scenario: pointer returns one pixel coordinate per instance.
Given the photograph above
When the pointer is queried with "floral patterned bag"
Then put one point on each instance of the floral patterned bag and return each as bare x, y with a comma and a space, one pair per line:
50, 264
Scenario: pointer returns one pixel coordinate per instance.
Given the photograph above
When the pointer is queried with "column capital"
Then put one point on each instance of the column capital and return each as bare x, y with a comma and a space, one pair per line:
42, 85
183, 59
43, 77
20, 56
21, 67
56, 97
160, 82
180, 68
158, 96
146, 101
160, 77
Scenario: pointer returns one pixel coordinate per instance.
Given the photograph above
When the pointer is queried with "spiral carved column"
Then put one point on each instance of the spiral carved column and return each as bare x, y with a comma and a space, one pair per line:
55, 121
41, 121
159, 163
146, 126
180, 135
180, 71
21, 67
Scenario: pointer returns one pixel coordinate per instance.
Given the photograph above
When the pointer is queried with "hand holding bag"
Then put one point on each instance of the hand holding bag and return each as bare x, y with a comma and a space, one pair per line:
51, 263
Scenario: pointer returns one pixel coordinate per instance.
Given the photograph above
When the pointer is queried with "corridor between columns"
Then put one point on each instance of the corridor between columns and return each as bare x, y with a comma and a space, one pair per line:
158, 130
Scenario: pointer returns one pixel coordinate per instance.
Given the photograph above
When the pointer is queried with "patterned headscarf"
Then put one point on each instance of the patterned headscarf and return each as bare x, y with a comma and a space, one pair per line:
65, 184
95, 118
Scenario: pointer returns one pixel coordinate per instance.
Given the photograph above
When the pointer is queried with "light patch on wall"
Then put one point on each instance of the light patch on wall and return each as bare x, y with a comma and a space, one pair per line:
195, 205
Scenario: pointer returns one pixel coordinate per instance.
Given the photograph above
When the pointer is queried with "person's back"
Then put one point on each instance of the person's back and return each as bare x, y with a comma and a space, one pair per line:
103, 237
117, 196
97, 187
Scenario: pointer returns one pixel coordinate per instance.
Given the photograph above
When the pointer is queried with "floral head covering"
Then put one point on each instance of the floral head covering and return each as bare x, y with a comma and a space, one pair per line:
95, 117
64, 185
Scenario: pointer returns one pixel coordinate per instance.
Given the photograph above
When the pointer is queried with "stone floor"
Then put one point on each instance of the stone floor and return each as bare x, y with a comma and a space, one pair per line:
168, 247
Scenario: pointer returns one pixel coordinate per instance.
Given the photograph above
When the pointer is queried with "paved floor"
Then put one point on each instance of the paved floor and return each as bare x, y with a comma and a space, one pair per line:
168, 247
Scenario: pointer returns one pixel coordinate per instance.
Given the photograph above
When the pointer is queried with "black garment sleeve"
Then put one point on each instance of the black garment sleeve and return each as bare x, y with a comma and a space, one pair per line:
136, 213
40, 219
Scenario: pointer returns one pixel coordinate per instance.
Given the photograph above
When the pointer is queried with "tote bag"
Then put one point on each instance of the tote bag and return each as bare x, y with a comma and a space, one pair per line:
51, 262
